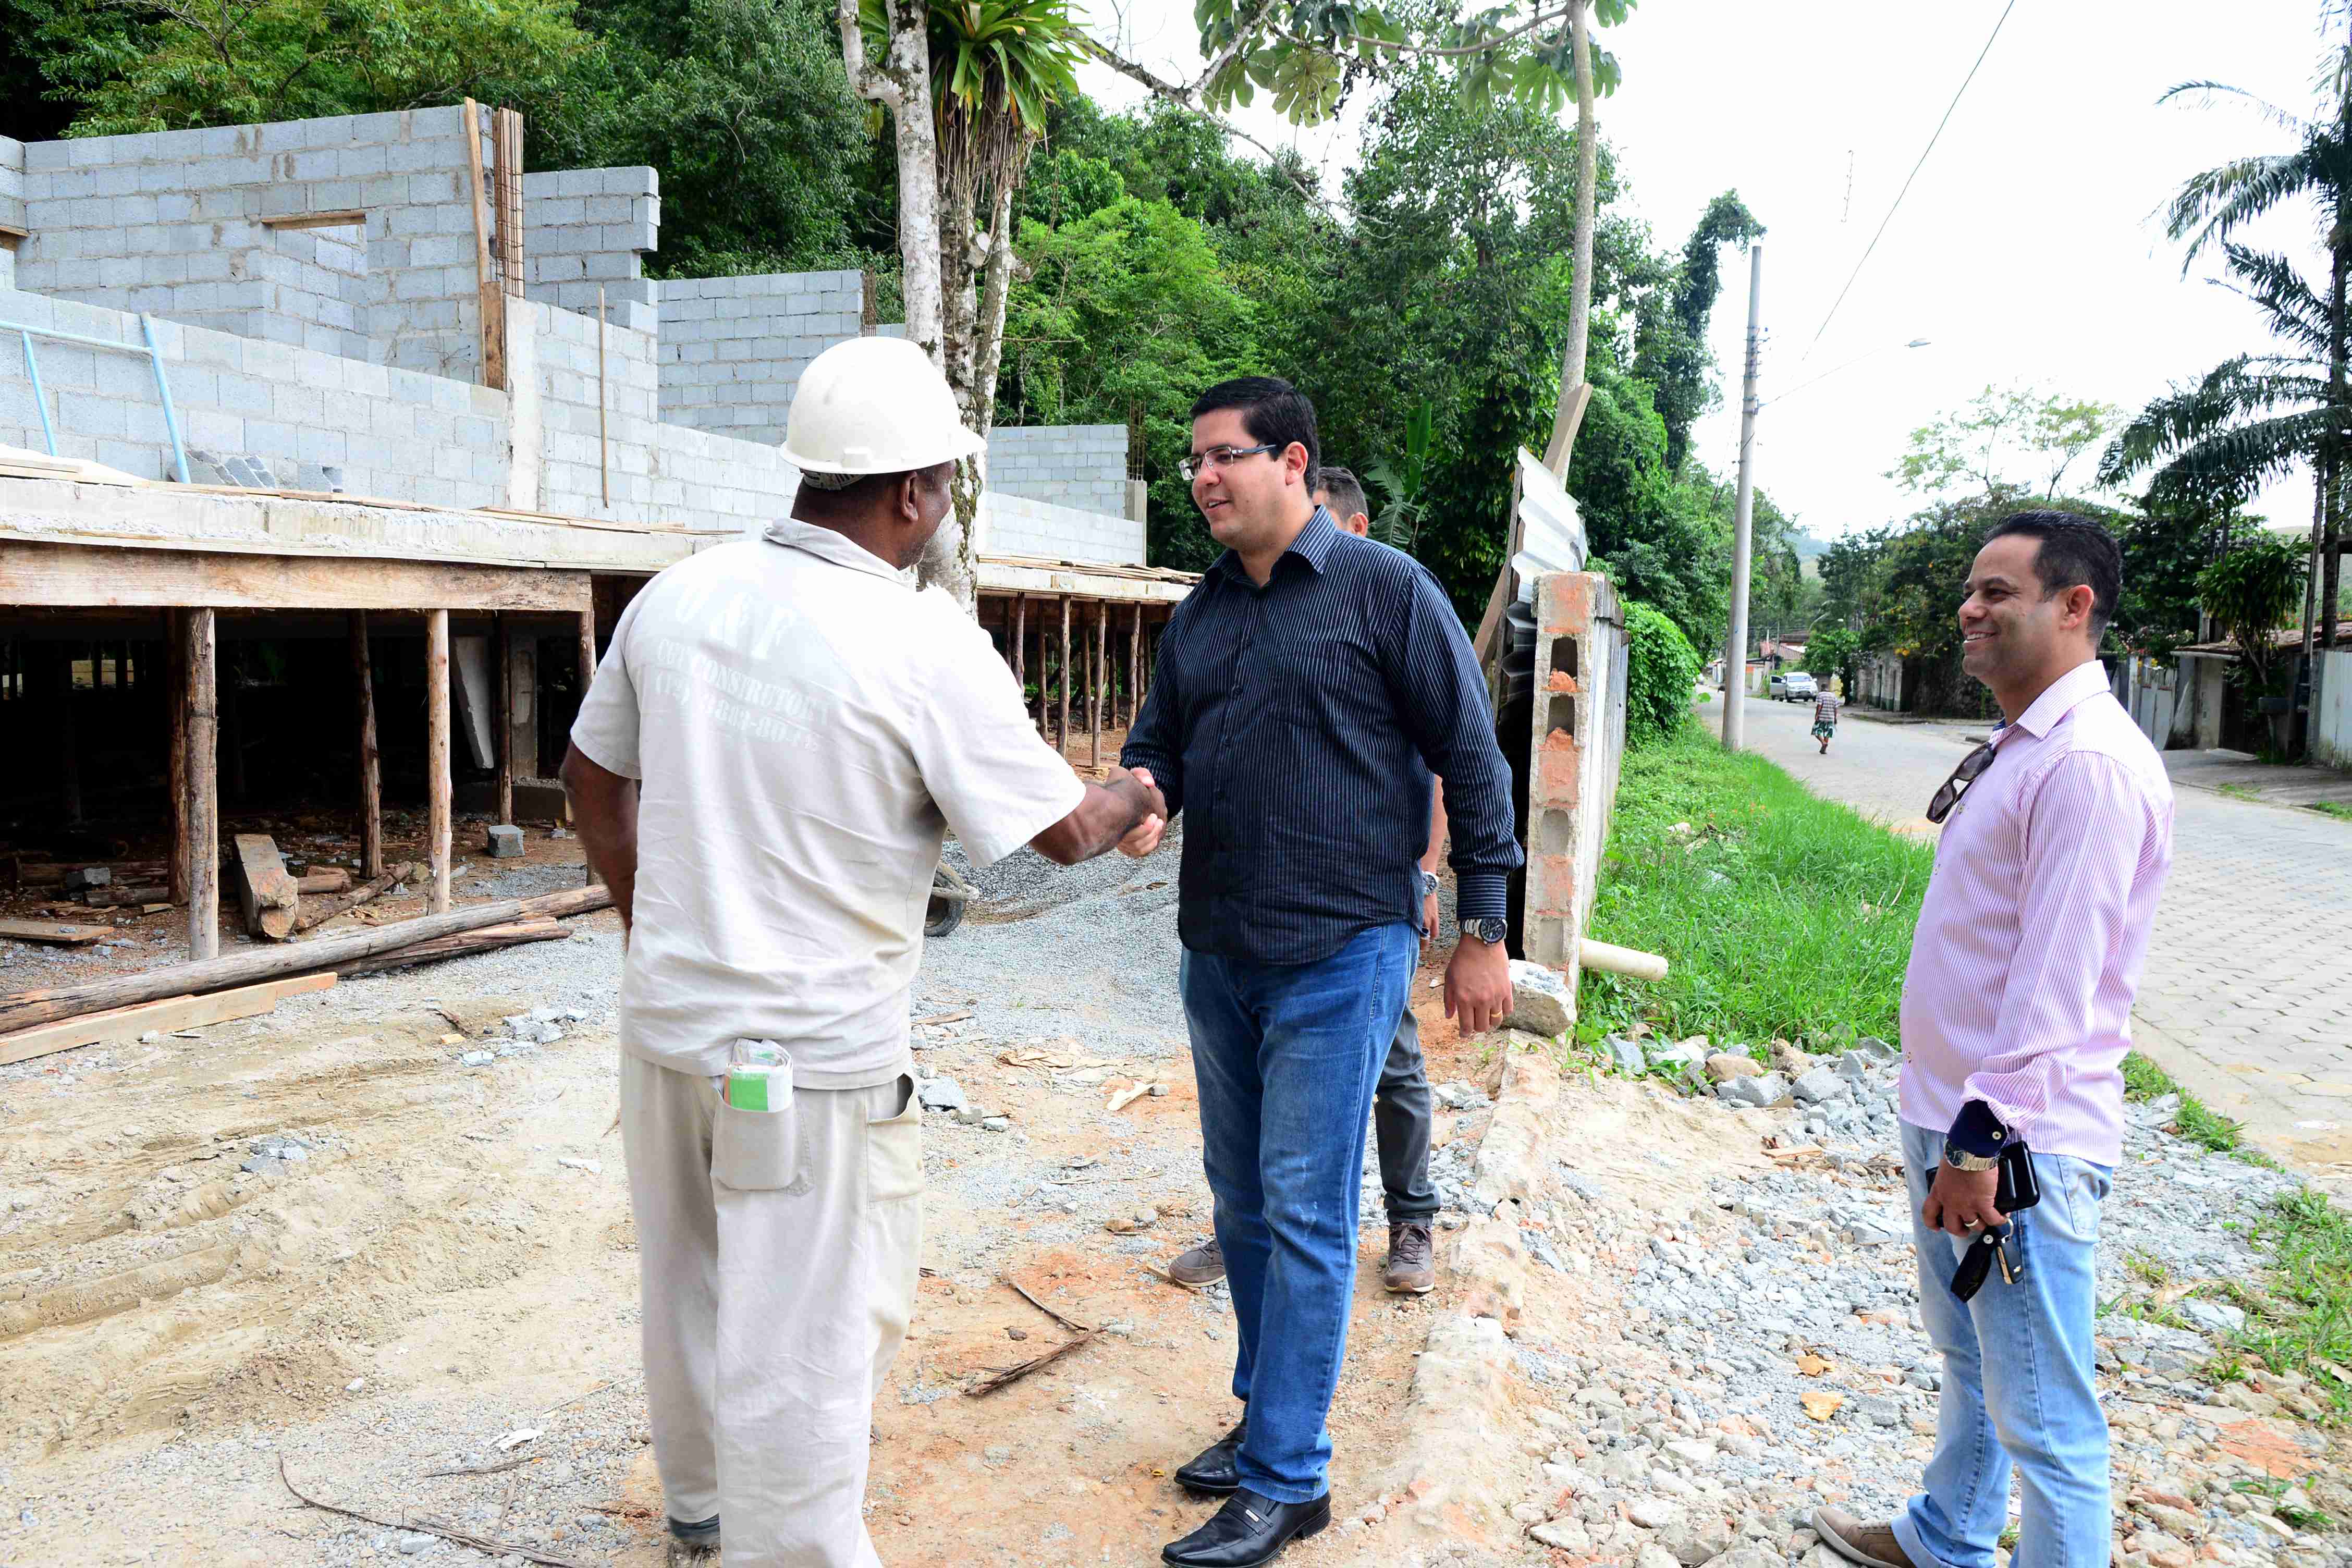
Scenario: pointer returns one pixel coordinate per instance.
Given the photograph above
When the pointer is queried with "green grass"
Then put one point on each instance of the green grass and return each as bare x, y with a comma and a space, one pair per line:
2241, 792
2334, 808
2196, 1121
2304, 1324
1784, 915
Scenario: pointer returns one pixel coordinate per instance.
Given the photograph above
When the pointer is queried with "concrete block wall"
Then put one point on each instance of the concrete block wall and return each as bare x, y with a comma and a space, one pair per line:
1577, 744
172, 221
732, 349
1080, 465
1015, 524
657, 472
252, 411
590, 228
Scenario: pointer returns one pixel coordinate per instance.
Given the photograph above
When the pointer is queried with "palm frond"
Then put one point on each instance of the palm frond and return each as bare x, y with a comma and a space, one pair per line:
2242, 460
2296, 312
2214, 204
2263, 107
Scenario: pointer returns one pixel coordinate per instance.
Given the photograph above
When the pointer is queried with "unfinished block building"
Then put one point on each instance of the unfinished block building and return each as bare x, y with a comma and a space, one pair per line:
298, 415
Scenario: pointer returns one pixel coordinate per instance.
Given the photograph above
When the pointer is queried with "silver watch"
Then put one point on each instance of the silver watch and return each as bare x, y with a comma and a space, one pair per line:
1428, 883
1958, 1161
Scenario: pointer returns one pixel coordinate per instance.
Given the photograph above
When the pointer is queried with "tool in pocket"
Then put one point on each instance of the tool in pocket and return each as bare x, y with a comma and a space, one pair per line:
754, 1138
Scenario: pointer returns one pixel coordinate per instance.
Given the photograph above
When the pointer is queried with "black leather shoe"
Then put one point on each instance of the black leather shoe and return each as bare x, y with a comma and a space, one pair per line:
1247, 1531
1217, 1468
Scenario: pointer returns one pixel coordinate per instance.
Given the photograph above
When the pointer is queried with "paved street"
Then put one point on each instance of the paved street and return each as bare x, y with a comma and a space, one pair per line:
2248, 995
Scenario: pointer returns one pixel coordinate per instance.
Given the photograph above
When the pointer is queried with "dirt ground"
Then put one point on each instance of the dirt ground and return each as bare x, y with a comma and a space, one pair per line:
447, 1259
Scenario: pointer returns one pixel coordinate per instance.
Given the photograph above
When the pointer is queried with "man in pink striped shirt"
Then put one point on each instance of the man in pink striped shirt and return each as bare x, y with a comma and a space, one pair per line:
2016, 1017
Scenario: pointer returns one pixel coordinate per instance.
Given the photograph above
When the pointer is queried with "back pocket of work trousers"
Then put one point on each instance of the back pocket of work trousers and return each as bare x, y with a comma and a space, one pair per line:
894, 1149
757, 1150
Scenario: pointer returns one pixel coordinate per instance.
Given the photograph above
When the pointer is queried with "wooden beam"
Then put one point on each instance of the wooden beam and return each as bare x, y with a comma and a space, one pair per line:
122, 1024
65, 934
175, 691
1097, 696
201, 842
266, 892
371, 779
490, 297
344, 219
82, 576
587, 651
1062, 737
23, 1009
1019, 640
436, 759
502, 654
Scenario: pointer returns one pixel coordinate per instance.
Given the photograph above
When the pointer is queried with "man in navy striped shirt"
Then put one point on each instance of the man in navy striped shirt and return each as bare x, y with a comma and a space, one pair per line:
1302, 696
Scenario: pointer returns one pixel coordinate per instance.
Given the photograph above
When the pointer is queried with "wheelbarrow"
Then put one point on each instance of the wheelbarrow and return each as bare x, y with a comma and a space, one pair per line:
949, 893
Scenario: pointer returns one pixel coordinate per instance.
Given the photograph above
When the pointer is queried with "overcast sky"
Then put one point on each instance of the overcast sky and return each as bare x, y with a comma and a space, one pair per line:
2028, 250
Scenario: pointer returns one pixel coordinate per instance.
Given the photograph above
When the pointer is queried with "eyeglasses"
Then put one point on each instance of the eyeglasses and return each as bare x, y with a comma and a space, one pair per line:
1947, 795
1216, 458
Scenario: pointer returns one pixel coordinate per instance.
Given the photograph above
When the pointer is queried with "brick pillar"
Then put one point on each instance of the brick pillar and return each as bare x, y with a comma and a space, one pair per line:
1579, 731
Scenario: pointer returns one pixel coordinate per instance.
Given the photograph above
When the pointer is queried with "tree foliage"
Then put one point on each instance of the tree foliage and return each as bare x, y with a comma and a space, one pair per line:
1670, 349
1660, 674
2253, 590
2006, 436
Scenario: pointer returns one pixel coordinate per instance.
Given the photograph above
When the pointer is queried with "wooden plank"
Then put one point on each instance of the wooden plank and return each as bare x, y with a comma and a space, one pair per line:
334, 879
371, 767
436, 759
84, 577
25, 1008
175, 685
502, 652
489, 299
344, 219
203, 795
319, 913
266, 892
64, 933
127, 1024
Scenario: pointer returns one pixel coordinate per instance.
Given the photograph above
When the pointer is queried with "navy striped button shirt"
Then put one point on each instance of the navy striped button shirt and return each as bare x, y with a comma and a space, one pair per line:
1297, 727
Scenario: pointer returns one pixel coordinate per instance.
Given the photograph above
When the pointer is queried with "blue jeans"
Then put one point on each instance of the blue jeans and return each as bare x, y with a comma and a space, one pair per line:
1286, 1056
2019, 1390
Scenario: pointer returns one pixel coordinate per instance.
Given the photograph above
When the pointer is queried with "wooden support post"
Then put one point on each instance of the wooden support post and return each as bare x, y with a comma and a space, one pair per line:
1062, 738
1041, 726
371, 779
1019, 623
502, 652
1135, 668
200, 845
587, 651
175, 702
436, 757
1101, 692
1143, 681
68, 748
604, 400
490, 292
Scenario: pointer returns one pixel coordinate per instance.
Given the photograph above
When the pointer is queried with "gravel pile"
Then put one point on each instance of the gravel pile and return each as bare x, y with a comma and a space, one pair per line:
1775, 1355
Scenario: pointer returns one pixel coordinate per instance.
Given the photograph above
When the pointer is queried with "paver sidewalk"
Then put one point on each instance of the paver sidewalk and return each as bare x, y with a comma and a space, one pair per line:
2247, 999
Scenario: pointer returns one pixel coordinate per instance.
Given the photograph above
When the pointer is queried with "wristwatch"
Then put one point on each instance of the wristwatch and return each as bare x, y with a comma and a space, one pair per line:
1490, 932
1959, 1160
1428, 883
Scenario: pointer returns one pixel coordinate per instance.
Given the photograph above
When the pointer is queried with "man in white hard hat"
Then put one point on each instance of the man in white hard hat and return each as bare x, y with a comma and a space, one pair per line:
779, 735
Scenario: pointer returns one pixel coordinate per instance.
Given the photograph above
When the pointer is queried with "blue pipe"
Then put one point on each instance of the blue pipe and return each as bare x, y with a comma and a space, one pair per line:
40, 399
163, 390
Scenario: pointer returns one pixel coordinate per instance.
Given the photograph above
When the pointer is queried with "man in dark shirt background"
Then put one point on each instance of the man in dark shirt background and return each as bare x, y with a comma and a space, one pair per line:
1303, 695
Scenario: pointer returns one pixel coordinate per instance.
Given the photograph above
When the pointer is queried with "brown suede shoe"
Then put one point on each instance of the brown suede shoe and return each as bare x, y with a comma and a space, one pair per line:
1204, 1264
1411, 1268
1871, 1545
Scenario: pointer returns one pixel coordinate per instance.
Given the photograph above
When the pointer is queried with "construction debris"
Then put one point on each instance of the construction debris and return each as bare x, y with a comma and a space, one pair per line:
63, 932
126, 1024
320, 913
267, 893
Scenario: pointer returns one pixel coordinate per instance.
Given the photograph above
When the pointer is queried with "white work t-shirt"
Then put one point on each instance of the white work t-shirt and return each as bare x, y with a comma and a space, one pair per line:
806, 727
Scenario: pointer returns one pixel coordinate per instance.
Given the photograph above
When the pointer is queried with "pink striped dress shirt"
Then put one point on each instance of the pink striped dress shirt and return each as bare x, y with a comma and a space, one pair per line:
2035, 928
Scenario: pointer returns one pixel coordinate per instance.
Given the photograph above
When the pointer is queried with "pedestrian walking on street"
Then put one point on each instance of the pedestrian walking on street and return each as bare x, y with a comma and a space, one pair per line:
1401, 1103
1825, 711
2016, 1019
778, 736
1305, 692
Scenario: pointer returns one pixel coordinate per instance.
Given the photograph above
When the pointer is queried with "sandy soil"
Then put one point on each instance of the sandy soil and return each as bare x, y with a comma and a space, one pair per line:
449, 1259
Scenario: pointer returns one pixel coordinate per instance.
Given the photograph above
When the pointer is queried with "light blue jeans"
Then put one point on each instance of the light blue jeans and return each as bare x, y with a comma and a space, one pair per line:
1286, 1056
2020, 1389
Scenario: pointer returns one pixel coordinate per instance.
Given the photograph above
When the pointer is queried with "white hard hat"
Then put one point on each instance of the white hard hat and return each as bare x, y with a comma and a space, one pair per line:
875, 405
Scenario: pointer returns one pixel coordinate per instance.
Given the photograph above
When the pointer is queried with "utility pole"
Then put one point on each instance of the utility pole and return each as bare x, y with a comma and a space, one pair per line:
1735, 642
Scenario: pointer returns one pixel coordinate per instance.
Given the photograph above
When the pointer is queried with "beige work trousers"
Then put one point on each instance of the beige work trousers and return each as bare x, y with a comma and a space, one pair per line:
772, 1314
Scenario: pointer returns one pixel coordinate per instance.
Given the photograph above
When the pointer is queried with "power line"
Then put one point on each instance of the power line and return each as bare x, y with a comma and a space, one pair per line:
1915, 174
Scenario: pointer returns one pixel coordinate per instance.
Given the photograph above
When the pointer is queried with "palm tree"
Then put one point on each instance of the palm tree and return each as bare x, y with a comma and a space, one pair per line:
994, 68
2259, 414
